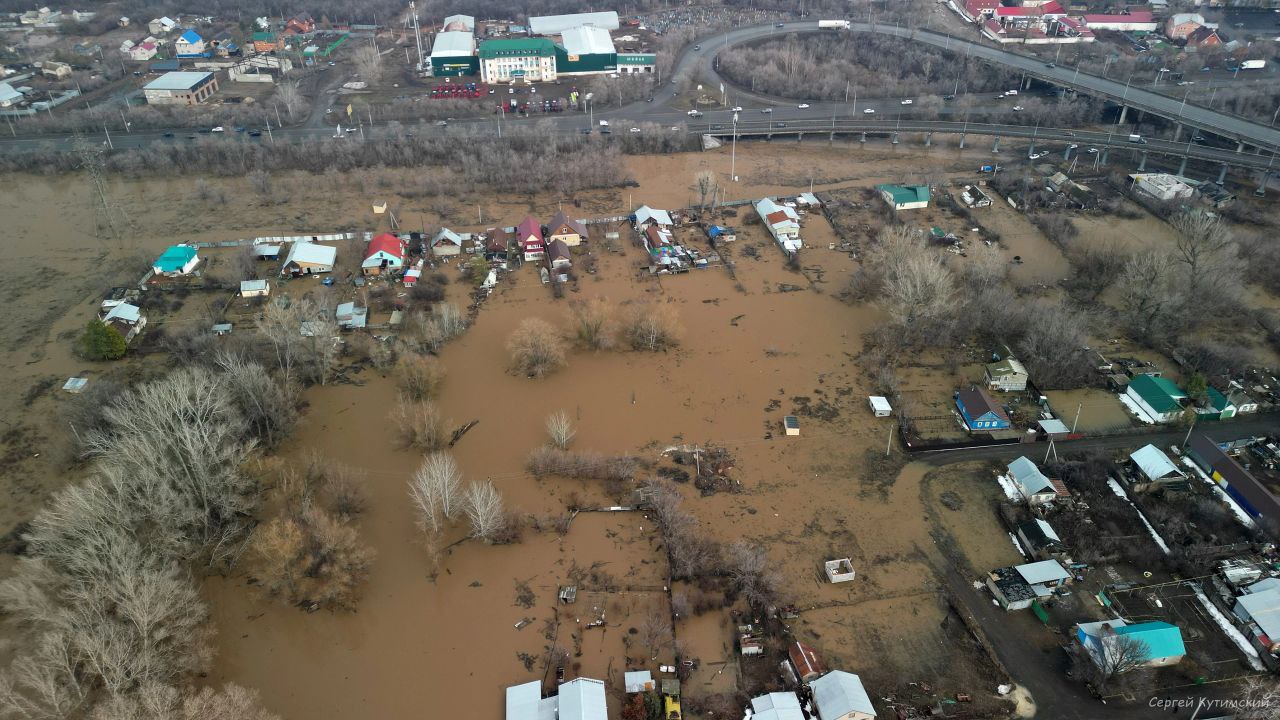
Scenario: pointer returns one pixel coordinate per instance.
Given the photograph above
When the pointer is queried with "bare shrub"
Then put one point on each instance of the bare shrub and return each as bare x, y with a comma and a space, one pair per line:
548, 460
748, 566
419, 425
430, 331
312, 560
483, 506
592, 323
536, 348
420, 376
560, 429
692, 554
651, 328
159, 702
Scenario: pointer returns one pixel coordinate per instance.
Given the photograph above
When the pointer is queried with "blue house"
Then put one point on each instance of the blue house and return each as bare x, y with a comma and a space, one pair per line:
190, 44
980, 411
1161, 641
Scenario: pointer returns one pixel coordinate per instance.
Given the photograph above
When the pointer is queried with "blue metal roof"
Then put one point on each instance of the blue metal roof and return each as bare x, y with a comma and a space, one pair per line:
1163, 640
175, 258
191, 36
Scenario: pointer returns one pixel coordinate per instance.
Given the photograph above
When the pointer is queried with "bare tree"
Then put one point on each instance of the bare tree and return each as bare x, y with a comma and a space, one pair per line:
560, 429
651, 327
1151, 298
483, 506
436, 491
1260, 699
268, 405
1117, 654
1210, 255
419, 424
311, 560
748, 565
592, 323
655, 633
368, 63
420, 376
986, 266
536, 348
290, 95
704, 182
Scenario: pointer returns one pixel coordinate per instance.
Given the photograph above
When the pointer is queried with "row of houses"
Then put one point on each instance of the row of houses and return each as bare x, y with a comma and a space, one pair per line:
1159, 400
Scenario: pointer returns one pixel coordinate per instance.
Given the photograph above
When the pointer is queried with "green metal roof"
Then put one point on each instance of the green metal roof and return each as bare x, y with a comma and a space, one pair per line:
517, 47
903, 194
1160, 393
1217, 400
264, 37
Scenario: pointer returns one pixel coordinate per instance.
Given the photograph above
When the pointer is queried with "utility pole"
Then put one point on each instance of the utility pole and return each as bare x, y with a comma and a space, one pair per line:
888, 448
733, 154
417, 33
108, 133
1073, 422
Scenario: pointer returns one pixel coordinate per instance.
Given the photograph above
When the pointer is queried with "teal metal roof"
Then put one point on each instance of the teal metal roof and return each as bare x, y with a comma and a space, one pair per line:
903, 194
1160, 393
517, 47
1217, 400
1162, 639
175, 258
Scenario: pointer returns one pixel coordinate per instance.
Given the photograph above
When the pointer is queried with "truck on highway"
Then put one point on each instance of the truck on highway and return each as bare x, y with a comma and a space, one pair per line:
1136, 139
834, 24
1253, 64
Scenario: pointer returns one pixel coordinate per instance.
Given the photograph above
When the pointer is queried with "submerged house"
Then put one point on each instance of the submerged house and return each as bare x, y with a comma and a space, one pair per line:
782, 222
530, 240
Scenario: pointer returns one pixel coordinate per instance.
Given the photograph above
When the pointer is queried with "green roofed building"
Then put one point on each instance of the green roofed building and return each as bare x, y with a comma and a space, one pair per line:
1216, 406
1158, 398
905, 197
516, 59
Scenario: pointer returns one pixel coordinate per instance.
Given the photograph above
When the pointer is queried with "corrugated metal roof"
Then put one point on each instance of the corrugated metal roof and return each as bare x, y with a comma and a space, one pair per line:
1153, 462
311, 253
839, 693
587, 40
178, 80
583, 699
1160, 393
556, 24
453, 23
454, 44
1163, 640
1028, 477
1042, 572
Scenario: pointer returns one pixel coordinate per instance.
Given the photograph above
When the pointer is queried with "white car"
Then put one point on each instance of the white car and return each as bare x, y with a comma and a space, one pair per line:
1035, 156
1072, 146
1093, 151
218, 129
533, 91
1017, 108
694, 113
604, 123
767, 111
634, 130
907, 102
868, 111
736, 108
803, 106
1010, 92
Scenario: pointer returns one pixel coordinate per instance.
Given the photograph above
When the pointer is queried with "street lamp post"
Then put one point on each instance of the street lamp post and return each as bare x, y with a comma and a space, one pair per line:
733, 153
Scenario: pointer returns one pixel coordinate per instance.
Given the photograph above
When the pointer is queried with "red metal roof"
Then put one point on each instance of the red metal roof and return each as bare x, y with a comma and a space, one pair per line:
529, 227
806, 662
976, 7
387, 243
1137, 16
1049, 8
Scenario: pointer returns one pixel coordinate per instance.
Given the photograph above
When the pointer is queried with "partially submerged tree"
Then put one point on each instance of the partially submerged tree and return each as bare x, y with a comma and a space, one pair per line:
419, 425
483, 507
436, 492
592, 323
651, 327
420, 376
560, 429
100, 341
536, 348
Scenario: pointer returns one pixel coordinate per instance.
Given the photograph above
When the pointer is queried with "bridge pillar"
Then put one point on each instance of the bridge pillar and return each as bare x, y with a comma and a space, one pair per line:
995, 148
928, 139
895, 139
799, 136
768, 136
1222, 174
1177, 132
1182, 167
864, 138
961, 141
1240, 147
1066, 154
1103, 159
1124, 113
1142, 164
1262, 184
832, 137
1032, 148
1026, 82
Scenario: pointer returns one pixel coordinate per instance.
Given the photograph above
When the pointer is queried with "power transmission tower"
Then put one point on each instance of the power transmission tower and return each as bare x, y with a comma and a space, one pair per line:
91, 161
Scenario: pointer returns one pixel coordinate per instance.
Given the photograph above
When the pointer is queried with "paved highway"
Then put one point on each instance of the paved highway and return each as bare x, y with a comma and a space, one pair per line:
1084, 140
696, 63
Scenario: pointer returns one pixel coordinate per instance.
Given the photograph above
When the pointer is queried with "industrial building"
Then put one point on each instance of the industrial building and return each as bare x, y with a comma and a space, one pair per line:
510, 60
1162, 186
454, 54
556, 24
585, 50
180, 88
